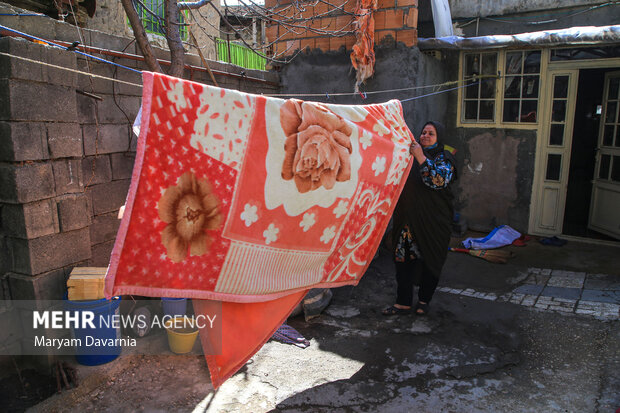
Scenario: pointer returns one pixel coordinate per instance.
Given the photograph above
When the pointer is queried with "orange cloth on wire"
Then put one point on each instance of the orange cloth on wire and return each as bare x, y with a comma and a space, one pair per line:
363, 53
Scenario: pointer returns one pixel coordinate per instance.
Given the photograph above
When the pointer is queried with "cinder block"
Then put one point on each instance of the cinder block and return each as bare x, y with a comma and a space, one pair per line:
68, 176
307, 44
5, 262
322, 43
411, 17
291, 47
73, 212
119, 109
96, 170
271, 33
101, 254
379, 17
95, 85
32, 220
349, 41
108, 197
64, 140
10, 329
386, 4
122, 165
26, 183
104, 228
48, 286
62, 59
105, 139
407, 36
30, 101
16, 68
85, 109
48, 253
23, 141
336, 43
130, 77
394, 19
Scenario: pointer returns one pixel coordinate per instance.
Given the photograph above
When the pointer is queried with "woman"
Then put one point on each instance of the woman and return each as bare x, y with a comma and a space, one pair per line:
423, 221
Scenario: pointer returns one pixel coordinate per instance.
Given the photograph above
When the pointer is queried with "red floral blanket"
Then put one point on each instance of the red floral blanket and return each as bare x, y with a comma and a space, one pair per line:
251, 201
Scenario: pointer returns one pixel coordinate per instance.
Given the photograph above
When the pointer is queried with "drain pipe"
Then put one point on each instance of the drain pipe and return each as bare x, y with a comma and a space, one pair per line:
442, 19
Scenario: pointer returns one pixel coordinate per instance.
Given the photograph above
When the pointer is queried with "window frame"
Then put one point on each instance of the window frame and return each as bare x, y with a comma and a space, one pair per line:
463, 98
499, 91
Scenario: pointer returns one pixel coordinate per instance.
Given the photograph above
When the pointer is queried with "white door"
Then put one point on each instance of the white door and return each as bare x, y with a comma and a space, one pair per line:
554, 153
605, 204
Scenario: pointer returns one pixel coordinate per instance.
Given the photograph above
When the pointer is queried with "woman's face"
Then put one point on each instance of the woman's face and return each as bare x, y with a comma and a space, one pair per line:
428, 137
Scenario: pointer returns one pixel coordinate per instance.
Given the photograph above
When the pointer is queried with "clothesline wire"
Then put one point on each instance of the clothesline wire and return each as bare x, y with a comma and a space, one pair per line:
70, 70
92, 75
439, 85
29, 36
436, 93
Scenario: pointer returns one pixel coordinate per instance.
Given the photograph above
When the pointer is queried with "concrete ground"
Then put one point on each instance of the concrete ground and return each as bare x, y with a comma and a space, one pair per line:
540, 333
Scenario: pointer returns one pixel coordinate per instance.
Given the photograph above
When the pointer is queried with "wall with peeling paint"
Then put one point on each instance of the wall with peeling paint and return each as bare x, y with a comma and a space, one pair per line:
496, 176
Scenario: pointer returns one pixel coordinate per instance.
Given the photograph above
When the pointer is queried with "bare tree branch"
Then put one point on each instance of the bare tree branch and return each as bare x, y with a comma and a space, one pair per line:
291, 19
140, 35
173, 37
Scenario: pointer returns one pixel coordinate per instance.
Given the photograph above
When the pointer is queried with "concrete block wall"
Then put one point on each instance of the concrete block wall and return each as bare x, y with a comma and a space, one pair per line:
395, 18
66, 158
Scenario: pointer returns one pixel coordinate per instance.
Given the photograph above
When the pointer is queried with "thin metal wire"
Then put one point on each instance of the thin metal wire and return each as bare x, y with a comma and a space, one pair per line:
312, 94
71, 70
436, 93
437, 85
64, 48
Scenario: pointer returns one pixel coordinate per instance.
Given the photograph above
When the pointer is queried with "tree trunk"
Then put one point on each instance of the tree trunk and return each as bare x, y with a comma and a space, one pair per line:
173, 36
140, 35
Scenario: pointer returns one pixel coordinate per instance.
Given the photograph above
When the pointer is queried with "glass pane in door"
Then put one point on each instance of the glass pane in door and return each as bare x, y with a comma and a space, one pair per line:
603, 170
554, 163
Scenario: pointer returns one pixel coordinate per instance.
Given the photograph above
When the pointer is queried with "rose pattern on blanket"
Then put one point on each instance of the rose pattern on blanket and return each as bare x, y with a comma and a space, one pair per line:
251, 197
318, 147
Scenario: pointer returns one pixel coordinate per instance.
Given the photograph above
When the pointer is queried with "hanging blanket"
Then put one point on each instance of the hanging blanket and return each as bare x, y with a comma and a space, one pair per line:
247, 202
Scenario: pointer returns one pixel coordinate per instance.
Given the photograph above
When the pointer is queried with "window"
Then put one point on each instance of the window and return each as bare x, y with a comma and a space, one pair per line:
521, 84
512, 98
155, 22
479, 95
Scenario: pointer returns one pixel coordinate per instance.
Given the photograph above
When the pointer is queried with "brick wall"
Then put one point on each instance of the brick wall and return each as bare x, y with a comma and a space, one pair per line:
66, 158
395, 18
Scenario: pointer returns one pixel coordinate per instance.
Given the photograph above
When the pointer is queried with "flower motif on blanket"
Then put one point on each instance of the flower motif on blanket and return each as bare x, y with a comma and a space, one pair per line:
190, 209
318, 147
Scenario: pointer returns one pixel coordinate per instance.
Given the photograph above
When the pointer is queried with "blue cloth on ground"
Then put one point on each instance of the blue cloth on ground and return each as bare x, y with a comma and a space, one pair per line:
500, 236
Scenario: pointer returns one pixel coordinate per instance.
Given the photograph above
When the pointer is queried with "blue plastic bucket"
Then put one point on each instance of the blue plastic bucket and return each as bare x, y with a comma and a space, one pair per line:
174, 306
95, 345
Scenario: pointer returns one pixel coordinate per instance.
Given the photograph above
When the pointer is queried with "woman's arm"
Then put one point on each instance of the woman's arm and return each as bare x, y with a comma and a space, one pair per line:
436, 173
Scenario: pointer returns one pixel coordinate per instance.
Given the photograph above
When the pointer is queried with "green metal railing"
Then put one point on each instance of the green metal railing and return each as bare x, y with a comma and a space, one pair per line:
154, 24
239, 55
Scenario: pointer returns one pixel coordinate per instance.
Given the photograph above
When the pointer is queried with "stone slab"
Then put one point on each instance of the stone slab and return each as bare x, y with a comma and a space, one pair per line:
561, 292
529, 289
601, 296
